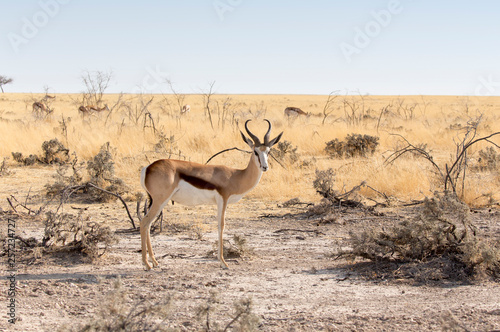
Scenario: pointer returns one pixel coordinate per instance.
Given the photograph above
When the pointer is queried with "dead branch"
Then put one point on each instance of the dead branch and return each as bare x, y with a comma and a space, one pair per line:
412, 148
284, 230
457, 171
11, 205
272, 156
226, 150
65, 196
24, 205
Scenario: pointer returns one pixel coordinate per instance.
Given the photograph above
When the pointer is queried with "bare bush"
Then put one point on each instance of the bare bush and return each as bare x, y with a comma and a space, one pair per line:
285, 152
329, 105
489, 160
453, 174
243, 317
5, 80
54, 152
354, 109
65, 232
4, 168
96, 83
324, 183
116, 316
355, 145
77, 233
101, 185
442, 231
102, 166
101, 170
233, 249
63, 180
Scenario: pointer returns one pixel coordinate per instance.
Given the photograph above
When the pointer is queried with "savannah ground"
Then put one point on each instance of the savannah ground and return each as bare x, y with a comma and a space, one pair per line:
286, 270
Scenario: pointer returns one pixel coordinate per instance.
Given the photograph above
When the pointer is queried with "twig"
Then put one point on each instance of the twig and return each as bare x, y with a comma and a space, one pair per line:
22, 205
11, 205
277, 160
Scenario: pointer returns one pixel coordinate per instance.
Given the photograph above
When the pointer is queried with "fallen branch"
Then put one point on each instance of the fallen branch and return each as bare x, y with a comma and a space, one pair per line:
23, 205
298, 231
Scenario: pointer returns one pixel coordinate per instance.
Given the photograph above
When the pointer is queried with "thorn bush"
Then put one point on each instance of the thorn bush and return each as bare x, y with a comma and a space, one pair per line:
354, 145
54, 152
286, 152
443, 231
324, 183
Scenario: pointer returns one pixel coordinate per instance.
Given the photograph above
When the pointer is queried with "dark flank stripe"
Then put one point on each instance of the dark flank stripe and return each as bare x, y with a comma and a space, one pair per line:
197, 182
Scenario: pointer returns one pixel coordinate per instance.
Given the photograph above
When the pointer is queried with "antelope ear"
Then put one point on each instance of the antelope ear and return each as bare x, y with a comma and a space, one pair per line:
275, 140
247, 140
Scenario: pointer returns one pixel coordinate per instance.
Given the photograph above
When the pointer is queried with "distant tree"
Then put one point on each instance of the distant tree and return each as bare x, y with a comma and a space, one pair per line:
4, 80
96, 84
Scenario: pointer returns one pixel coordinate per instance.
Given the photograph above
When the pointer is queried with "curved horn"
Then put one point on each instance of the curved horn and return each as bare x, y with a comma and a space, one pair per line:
266, 137
252, 136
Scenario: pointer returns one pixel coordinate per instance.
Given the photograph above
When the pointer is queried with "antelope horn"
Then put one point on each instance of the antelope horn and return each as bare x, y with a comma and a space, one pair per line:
266, 137
255, 139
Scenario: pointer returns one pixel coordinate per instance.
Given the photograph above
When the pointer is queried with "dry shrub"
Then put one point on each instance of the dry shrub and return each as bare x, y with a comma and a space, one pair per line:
324, 183
243, 318
355, 145
64, 232
489, 160
235, 249
101, 173
285, 152
77, 233
63, 179
441, 243
115, 315
4, 168
54, 152
102, 166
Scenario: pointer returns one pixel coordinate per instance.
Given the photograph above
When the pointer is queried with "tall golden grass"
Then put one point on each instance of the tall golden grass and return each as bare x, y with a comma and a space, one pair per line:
431, 120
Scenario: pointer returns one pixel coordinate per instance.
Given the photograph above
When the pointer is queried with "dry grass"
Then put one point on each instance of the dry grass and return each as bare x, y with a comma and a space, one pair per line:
434, 121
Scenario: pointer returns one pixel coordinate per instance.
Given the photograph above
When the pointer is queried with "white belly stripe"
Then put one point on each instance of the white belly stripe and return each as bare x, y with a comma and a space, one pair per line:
187, 194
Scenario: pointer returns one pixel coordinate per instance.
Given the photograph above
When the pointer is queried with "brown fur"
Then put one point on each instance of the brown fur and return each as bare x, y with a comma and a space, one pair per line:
162, 177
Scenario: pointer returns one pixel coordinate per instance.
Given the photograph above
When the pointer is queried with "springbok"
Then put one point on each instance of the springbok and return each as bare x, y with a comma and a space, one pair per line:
99, 109
88, 110
185, 109
84, 110
294, 111
39, 107
189, 183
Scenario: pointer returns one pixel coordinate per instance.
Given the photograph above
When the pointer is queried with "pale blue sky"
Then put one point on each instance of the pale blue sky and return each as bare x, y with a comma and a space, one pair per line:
255, 46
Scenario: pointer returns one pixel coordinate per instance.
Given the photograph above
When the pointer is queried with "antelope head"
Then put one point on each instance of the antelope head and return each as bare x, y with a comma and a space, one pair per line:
260, 150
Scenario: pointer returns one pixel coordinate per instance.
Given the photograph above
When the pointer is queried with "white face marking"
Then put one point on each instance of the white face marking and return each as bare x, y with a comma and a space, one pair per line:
261, 154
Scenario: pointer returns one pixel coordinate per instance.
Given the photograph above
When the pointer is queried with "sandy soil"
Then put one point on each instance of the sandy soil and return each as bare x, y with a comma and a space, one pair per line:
290, 277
